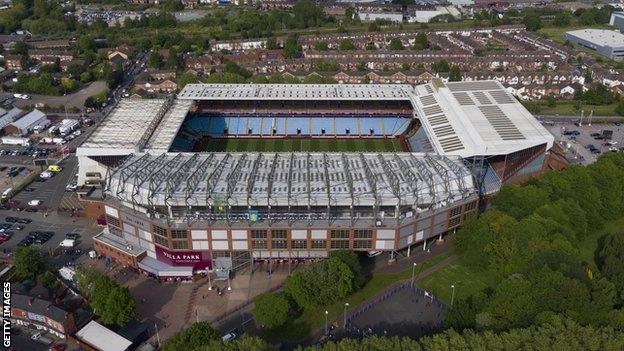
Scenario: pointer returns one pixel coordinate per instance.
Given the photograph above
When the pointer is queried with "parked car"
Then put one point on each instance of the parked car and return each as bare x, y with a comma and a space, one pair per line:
35, 202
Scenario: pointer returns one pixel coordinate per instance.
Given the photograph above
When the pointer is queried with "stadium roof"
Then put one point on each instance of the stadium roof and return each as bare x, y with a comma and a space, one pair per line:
291, 179
476, 118
296, 92
133, 124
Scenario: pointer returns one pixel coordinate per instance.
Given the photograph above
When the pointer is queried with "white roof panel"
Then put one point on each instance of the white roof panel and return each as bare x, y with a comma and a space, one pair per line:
477, 118
296, 92
125, 125
102, 338
602, 37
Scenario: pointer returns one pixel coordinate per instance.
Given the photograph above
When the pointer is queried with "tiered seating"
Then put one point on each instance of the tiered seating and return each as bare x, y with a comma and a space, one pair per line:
280, 124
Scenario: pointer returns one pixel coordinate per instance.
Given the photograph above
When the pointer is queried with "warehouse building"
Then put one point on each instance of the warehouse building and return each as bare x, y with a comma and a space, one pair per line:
606, 42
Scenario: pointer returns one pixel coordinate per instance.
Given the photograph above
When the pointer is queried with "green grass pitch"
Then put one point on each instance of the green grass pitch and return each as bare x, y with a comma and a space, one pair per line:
299, 145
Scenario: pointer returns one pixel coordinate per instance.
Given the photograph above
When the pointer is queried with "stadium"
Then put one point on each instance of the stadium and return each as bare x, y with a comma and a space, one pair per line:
225, 174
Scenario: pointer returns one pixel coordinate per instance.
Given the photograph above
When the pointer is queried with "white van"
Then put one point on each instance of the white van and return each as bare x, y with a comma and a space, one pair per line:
6, 193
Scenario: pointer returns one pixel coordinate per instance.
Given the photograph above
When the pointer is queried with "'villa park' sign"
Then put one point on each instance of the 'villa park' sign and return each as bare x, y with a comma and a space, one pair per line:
196, 259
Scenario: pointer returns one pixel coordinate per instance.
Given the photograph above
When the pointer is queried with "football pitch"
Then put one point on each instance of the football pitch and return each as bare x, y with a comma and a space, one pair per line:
298, 145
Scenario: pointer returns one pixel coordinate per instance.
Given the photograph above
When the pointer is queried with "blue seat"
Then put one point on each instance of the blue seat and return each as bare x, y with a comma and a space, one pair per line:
298, 123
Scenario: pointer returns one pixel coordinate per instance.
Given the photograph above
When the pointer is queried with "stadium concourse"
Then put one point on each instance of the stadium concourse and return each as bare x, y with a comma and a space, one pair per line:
225, 174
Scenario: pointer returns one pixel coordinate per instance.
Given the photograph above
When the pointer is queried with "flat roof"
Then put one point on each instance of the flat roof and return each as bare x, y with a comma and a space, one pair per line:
126, 125
602, 37
296, 92
102, 338
476, 119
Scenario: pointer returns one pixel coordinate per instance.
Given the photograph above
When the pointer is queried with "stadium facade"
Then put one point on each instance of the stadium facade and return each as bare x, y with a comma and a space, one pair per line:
205, 180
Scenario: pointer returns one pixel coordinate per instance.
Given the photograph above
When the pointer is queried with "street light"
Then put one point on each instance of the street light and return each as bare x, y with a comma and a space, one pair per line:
345, 315
413, 270
452, 294
209, 282
326, 313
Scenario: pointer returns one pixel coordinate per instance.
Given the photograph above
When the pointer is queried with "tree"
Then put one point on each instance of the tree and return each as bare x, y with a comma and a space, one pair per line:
110, 301
186, 78
244, 343
321, 46
619, 109
119, 308
396, 44
271, 310
532, 22
609, 258
191, 338
172, 6
455, 74
346, 44
28, 263
421, 42
20, 48
562, 19
47, 279
154, 60
441, 66
68, 84
306, 13
291, 47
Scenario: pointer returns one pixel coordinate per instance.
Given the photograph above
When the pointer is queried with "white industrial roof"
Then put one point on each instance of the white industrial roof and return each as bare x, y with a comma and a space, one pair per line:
602, 37
476, 118
296, 92
127, 125
292, 179
102, 338
30, 118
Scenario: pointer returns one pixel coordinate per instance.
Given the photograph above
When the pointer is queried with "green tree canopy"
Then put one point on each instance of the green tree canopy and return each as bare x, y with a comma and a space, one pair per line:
192, 338
271, 309
28, 263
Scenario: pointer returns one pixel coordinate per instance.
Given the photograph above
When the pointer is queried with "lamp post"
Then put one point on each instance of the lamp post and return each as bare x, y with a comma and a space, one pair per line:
326, 313
209, 282
452, 294
413, 271
345, 315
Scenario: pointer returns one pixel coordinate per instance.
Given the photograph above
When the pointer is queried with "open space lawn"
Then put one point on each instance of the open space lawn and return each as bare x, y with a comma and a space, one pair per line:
304, 145
466, 280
